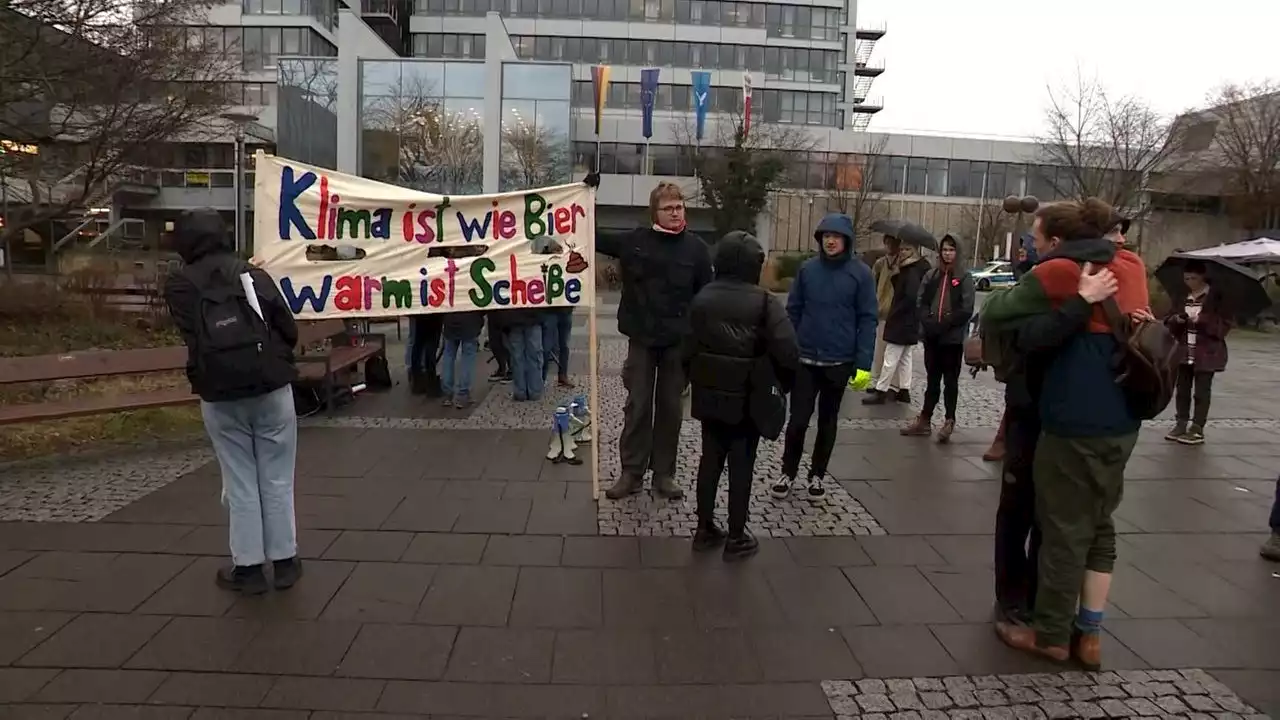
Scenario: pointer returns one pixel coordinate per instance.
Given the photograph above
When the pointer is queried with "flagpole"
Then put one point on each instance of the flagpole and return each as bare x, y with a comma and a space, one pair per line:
982, 206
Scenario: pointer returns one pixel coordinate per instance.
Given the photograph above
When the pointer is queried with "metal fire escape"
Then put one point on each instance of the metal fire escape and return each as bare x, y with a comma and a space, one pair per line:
865, 72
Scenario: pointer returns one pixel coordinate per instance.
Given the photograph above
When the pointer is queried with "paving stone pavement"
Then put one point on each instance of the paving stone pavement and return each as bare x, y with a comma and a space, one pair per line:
1190, 693
452, 573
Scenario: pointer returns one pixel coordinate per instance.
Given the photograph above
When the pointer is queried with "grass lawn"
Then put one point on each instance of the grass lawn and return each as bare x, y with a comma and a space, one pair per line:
29, 327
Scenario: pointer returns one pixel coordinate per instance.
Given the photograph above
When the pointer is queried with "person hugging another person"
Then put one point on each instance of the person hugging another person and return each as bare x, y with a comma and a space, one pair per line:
946, 302
1200, 323
736, 325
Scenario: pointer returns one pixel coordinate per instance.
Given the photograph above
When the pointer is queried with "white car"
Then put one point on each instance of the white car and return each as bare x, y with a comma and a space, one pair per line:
997, 273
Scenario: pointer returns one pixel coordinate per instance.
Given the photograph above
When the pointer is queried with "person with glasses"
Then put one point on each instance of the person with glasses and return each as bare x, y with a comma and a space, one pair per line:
663, 266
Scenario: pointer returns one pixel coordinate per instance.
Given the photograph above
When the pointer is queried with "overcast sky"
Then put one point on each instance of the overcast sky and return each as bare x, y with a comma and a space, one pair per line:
981, 67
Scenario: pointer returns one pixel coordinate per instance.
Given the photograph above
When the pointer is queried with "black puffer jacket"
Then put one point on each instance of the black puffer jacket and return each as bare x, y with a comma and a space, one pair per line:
946, 302
902, 325
205, 247
734, 321
661, 272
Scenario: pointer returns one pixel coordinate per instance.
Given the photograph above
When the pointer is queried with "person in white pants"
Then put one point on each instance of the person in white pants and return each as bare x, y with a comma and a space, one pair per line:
901, 327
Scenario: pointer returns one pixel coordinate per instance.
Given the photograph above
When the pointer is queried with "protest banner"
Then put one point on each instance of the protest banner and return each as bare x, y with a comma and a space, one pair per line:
341, 246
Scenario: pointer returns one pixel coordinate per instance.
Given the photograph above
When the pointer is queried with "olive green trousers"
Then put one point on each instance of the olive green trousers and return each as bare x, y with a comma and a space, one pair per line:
1079, 483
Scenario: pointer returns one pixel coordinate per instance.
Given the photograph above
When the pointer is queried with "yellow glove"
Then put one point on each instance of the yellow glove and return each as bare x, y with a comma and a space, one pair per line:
860, 380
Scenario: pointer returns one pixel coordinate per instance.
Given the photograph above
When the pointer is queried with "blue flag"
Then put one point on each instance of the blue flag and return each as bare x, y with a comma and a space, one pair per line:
701, 98
648, 92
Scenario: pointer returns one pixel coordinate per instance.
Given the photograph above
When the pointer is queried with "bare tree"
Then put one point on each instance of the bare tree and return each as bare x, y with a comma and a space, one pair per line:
851, 187
431, 147
986, 225
89, 87
1105, 146
1245, 151
738, 169
533, 155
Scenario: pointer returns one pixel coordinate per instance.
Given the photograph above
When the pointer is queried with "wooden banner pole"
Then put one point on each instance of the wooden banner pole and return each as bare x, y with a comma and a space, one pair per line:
597, 412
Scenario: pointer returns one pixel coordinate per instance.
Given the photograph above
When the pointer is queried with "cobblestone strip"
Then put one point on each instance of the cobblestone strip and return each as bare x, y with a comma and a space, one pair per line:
1192, 694
90, 490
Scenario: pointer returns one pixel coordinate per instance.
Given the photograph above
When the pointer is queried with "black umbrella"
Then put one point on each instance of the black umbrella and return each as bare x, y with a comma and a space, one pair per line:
888, 227
908, 232
1239, 287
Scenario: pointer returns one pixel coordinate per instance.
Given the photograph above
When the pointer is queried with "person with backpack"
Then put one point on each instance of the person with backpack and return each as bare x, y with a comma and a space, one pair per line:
1200, 323
945, 305
1089, 423
832, 305
240, 337
461, 332
741, 340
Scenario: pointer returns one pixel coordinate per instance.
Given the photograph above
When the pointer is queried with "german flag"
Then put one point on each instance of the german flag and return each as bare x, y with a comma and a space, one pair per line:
600, 87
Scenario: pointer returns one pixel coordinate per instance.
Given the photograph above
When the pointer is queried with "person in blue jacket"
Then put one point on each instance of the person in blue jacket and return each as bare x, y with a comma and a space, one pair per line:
833, 307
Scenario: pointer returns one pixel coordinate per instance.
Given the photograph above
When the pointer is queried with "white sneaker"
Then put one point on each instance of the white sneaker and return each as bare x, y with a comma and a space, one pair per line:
815, 487
782, 488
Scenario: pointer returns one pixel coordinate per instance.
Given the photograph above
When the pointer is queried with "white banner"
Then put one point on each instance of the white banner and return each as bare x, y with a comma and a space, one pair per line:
345, 247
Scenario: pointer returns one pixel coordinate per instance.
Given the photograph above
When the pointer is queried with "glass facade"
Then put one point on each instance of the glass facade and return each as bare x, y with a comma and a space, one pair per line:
777, 19
422, 124
934, 177
536, 126
307, 111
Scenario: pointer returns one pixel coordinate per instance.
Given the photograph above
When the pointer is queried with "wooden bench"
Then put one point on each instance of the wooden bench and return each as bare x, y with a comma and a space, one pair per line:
349, 347
312, 365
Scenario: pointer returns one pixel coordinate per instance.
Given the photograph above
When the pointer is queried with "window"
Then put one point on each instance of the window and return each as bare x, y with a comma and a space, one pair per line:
937, 177
979, 180
1041, 181
958, 177
917, 174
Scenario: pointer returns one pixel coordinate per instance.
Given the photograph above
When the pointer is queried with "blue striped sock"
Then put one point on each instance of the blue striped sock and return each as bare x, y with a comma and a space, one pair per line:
1089, 621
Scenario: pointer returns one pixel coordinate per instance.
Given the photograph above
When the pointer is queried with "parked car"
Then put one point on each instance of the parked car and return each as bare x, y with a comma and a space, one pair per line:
997, 273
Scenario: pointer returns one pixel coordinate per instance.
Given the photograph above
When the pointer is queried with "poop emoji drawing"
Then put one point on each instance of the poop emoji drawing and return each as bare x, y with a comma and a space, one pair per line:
576, 263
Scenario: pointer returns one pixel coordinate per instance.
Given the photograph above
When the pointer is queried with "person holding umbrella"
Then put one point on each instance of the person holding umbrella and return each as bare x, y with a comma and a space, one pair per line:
1206, 294
902, 323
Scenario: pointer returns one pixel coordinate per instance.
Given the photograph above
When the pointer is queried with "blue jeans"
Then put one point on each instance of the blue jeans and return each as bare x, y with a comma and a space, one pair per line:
464, 352
556, 327
525, 344
1275, 509
256, 441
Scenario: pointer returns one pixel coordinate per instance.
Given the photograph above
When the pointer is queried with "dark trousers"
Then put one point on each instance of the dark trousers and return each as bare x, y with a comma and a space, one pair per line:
426, 342
1275, 509
1017, 540
1197, 386
1079, 484
736, 444
498, 346
824, 387
942, 369
556, 328
654, 379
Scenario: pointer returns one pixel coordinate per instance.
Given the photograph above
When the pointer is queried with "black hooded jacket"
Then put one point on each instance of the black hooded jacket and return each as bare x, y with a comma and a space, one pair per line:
902, 324
733, 322
661, 272
206, 248
946, 301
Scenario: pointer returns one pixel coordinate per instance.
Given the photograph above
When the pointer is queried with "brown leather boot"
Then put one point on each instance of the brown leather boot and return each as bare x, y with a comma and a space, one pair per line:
1086, 648
628, 484
1021, 637
944, 433
920, 427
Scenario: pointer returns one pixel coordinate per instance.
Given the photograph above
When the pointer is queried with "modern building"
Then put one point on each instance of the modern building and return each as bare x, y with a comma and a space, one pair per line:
485, 95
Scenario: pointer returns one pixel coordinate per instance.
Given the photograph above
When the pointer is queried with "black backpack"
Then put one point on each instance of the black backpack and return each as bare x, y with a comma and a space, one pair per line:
232, 340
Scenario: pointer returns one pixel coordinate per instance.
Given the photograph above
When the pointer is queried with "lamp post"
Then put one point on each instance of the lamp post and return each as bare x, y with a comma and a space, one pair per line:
1016, 206
240, 121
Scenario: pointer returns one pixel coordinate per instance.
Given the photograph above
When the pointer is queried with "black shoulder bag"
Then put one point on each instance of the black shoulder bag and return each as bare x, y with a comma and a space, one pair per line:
766, 405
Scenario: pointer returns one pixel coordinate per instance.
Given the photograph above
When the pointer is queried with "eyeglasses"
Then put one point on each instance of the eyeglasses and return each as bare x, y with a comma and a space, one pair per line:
671, 208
